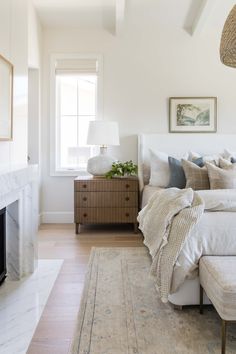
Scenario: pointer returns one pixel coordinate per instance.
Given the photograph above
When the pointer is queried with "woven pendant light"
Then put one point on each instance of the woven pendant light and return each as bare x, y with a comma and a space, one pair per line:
228, 40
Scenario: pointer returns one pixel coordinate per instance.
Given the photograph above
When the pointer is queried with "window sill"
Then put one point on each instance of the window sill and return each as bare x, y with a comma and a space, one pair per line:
69, 173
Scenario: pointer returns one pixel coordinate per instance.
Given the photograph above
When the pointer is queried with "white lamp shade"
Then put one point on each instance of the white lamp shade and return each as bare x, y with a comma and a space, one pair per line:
102, 132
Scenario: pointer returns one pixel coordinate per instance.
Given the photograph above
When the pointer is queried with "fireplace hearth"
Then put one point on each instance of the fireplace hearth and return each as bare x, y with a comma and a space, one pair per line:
3, 268
18, 227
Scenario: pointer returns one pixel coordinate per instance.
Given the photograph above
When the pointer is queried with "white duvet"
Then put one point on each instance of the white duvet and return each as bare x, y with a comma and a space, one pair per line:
214, 234
219, 199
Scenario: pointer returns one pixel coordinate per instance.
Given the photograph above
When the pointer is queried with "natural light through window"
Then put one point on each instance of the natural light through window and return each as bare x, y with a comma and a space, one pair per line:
76, 97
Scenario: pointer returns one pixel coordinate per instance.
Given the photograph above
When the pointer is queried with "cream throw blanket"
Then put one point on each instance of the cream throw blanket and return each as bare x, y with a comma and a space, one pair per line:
166, 222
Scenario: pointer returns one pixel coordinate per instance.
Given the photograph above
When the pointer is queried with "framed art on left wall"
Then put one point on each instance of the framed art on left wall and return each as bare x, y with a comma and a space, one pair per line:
193, 114
6, 99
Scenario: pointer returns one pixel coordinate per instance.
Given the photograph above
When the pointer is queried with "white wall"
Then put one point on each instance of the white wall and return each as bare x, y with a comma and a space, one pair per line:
13, 46
34, 38
34, 81
150, 62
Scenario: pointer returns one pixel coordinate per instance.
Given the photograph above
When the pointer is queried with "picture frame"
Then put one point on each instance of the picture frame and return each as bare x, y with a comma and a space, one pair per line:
192, 114
6, 99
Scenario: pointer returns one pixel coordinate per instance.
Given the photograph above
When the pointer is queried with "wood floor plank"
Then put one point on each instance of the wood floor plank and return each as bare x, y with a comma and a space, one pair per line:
44, 346
58, 241
54, 329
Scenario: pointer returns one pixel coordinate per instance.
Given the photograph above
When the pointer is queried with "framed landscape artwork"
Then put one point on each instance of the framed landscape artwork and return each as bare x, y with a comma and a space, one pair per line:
6, 98
193, 114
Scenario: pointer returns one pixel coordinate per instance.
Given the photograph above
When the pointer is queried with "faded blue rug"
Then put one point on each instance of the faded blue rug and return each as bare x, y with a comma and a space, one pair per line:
121, 313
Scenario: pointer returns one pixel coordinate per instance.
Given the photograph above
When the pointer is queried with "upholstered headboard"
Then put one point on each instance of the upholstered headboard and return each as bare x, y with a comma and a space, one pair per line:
178, 144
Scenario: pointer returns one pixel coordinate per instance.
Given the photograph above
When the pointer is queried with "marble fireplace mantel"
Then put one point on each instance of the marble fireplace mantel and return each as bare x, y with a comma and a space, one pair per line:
19, 194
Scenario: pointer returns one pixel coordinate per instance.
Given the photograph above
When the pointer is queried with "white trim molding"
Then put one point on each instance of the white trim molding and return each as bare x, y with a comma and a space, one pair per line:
120, 15
99, 113
57, 217
202, 15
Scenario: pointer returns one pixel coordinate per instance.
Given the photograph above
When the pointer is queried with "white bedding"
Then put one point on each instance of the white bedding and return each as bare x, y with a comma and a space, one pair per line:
147, 193
214, 234
219, 199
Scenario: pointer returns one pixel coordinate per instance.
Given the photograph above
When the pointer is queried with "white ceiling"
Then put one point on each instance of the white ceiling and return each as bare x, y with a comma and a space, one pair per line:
87, 14
102, 14
69, 3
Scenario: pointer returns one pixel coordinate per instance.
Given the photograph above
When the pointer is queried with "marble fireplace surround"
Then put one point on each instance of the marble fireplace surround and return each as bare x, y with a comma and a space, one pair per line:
19, 194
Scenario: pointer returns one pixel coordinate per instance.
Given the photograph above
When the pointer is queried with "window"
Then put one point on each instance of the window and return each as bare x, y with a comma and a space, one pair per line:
75, 107
76, 82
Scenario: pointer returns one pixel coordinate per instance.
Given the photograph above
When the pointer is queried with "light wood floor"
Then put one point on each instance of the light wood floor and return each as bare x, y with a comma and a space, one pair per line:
55, 329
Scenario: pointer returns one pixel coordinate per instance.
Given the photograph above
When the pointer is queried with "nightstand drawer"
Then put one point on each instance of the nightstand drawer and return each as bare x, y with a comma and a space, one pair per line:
106, 185
106, 199
106, 215
101, 200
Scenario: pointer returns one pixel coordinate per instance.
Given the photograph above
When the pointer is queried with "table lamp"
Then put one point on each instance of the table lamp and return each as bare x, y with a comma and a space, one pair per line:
102, 133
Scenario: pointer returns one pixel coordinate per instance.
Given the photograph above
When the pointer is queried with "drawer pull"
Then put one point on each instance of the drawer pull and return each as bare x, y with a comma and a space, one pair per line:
84, 185
127, 215
84, 199
127, 199
85, 215
127, 186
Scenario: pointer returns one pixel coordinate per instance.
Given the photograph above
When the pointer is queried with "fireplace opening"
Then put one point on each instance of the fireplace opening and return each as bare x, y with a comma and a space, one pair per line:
3, 268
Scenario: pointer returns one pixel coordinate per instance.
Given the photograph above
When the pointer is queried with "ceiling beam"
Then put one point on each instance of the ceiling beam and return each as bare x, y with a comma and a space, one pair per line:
120, 15
201, 16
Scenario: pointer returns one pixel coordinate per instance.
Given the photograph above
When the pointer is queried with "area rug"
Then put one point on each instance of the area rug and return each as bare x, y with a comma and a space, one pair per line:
121, 313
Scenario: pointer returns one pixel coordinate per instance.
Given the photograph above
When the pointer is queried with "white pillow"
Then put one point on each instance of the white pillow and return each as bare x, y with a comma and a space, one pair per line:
227, 154
160, 171
206, 158
193, 156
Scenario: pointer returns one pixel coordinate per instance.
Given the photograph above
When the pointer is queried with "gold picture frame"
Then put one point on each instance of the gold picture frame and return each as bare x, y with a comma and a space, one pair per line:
6, 99
193, 114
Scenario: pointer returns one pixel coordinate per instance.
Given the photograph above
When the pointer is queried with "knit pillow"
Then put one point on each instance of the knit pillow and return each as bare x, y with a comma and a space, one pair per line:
196, 177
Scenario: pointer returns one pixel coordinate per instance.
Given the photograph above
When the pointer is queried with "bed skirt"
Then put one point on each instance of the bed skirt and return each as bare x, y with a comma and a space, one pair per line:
188, 294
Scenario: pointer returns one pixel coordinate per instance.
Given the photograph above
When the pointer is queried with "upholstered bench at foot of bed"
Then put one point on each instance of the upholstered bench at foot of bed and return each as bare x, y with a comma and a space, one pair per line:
218, 279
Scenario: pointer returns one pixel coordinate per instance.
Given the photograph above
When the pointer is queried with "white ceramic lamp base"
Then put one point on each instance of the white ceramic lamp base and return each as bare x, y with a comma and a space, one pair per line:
101, 164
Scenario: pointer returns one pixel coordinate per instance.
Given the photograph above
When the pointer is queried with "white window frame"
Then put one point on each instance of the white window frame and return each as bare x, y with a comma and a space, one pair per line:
53, 118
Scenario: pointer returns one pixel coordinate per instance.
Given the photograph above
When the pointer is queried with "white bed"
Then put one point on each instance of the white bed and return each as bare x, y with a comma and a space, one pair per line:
176, 145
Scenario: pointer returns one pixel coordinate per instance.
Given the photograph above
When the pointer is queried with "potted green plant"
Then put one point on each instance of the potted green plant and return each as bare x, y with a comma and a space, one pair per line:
122, 169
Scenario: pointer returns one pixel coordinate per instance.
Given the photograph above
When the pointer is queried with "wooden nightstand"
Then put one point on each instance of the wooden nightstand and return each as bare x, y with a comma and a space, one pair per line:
101, 200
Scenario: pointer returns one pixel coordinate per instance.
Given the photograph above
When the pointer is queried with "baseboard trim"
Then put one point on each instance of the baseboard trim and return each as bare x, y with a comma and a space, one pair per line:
57, 217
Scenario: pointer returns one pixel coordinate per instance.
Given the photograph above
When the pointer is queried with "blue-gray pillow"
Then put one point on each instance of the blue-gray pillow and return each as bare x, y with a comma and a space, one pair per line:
177, 176
199, 162
233, 159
